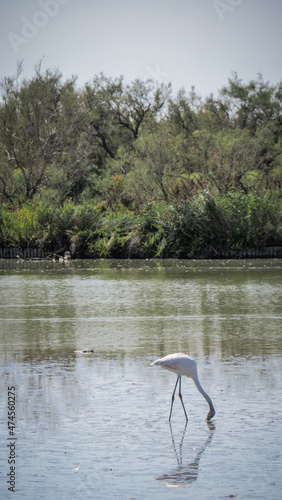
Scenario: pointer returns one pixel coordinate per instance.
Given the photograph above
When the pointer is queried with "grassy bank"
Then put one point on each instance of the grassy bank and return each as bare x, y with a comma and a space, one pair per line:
203, 226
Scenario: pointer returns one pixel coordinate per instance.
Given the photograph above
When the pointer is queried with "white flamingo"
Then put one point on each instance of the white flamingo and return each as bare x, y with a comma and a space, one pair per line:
181, 364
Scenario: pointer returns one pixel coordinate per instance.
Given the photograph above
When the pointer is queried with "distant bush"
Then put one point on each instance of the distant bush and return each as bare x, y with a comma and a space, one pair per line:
204, 225
233, 221
22, 226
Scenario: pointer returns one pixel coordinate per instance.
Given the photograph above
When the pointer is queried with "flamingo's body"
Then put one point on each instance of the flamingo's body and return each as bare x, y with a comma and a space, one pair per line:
181, 364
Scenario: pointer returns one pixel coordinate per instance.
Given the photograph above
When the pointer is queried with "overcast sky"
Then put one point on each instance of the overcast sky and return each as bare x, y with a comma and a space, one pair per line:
185, 42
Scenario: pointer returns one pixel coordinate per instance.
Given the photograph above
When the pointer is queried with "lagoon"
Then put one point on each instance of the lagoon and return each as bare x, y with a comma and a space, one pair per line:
95, 425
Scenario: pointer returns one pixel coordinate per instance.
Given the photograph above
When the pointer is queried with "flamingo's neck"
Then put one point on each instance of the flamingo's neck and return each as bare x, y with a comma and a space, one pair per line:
201, 390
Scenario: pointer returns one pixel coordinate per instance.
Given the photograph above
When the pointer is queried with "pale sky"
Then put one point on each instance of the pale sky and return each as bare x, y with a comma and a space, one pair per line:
185, 42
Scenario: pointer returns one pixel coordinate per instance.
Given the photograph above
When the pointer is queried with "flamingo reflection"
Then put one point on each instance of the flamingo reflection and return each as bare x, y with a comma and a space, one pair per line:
184, 475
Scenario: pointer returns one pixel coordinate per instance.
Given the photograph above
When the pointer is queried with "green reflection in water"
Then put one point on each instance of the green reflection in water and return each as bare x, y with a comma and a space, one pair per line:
141, 308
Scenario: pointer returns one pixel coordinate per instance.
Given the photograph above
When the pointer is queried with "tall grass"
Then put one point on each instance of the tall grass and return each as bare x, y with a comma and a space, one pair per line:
233, 222
202, 226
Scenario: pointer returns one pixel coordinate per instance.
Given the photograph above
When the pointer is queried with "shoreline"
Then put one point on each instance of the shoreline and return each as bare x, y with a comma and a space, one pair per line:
14, 253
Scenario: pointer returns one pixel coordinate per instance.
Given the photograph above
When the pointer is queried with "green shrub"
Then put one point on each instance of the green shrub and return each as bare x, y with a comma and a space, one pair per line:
200, 226
22, 226
232, 221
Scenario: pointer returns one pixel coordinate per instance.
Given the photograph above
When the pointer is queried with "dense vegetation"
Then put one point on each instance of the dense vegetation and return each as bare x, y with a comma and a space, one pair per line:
131, 170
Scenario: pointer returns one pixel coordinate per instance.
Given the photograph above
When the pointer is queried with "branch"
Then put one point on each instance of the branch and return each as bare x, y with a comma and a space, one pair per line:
4, 191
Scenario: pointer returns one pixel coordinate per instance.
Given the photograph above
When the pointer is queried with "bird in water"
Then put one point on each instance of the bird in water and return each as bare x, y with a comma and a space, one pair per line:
181, 364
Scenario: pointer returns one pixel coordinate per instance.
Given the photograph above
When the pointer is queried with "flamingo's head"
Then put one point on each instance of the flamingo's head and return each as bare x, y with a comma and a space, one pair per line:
211, 414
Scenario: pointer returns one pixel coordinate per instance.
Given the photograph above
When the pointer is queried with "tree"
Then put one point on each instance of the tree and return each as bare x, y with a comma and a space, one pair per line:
99, 99
117, 111
183, 112
140, 100
160, 168
32, 120
254, 104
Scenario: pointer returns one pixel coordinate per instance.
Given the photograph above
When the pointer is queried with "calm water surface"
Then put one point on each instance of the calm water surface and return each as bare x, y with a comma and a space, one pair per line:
96, 425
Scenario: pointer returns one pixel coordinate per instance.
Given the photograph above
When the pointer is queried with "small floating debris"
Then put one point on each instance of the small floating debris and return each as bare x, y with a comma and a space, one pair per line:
86, 350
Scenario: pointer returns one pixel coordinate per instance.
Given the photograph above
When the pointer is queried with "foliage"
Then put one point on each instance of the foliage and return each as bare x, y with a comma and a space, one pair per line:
202, 226
130, 170
21, 226
233, 221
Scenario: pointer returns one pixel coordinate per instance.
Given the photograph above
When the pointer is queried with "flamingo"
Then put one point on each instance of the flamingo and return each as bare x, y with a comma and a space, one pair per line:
181, 364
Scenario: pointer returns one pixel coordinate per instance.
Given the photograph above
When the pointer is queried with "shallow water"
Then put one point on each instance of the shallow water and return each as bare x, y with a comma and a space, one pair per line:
95, 425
